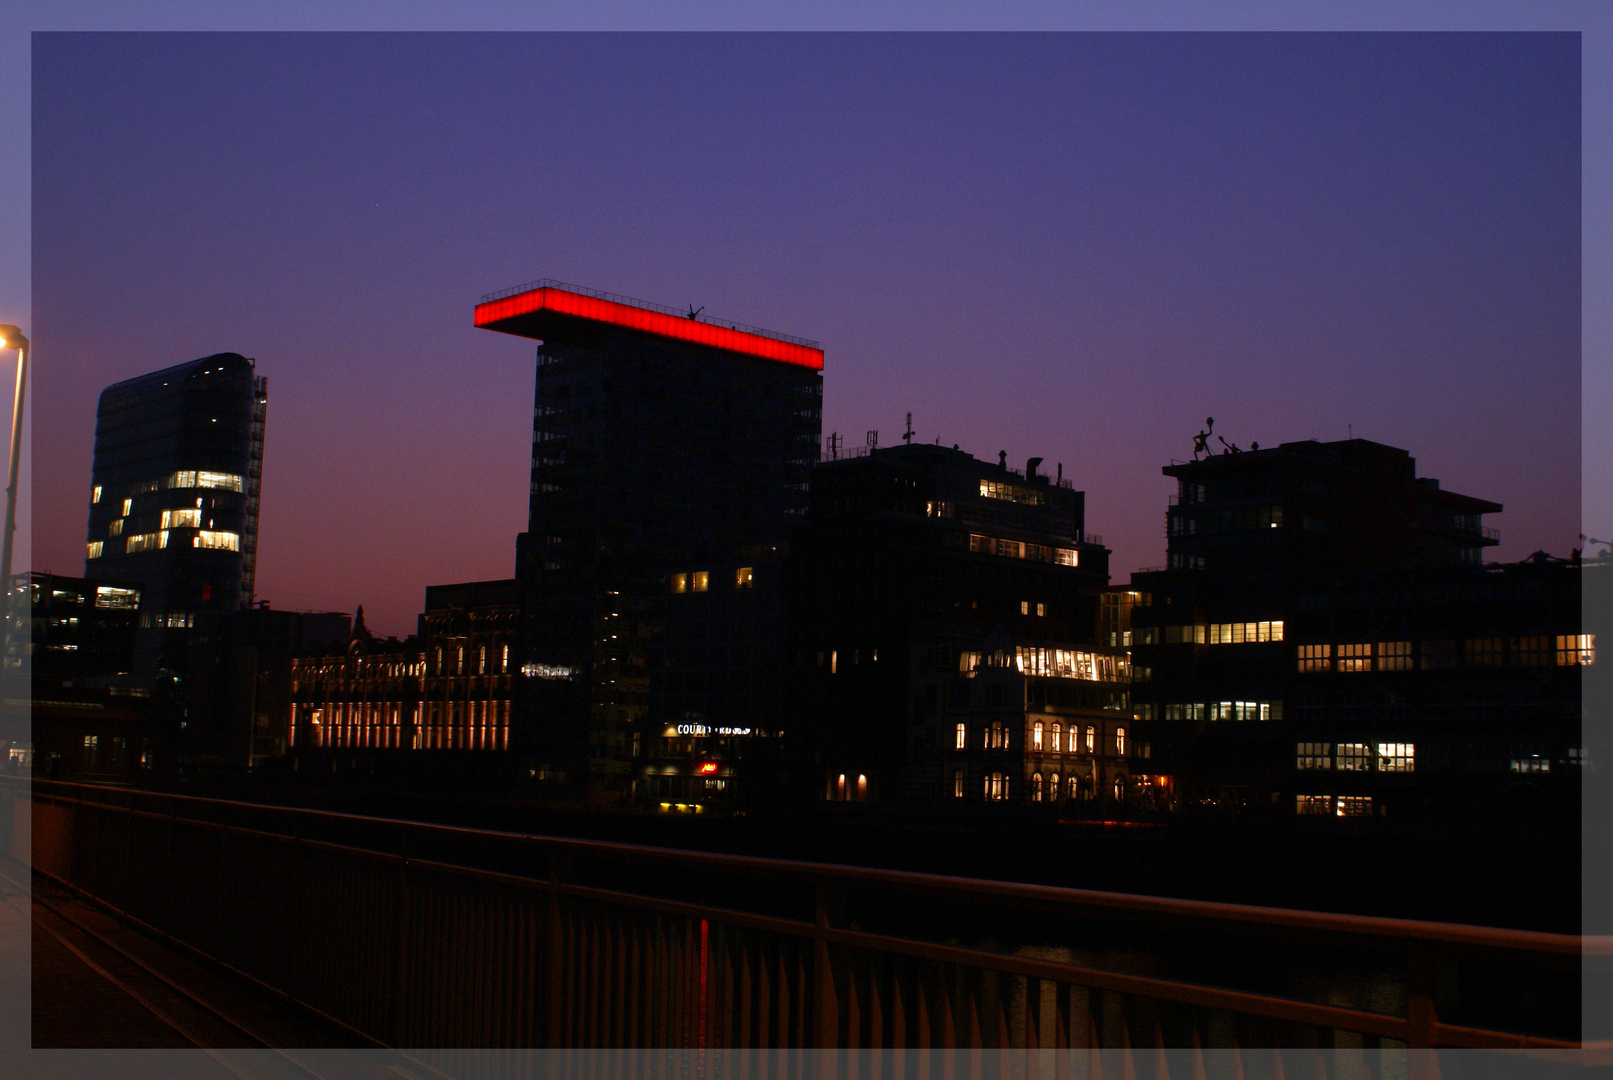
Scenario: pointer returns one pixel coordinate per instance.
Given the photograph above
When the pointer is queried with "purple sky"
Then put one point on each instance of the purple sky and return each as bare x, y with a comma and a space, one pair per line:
1068, 246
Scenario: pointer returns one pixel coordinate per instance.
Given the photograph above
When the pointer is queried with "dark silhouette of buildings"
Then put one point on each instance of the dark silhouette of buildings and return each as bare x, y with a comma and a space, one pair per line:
174, 495
946, 637
1327, 642
664, 443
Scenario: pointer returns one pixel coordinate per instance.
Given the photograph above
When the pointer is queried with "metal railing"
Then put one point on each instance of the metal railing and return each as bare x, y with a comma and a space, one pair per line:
616, 298
413, 934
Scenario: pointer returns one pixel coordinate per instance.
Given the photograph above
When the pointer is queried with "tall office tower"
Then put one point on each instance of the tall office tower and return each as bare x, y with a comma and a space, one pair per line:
174, 496
663, 442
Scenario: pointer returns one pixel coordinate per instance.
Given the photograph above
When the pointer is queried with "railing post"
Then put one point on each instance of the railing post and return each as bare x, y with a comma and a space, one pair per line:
1422, 1016
826, 1015
401, 932
554, 959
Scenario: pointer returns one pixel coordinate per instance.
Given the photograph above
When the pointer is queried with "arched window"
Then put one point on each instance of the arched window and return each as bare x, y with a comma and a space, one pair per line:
1036, 787
1075, 788
1092, 739
1058, 732
862, 788
1053, 788
1036, 738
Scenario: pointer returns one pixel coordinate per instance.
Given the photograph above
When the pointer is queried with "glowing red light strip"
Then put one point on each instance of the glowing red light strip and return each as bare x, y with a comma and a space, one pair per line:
561, 302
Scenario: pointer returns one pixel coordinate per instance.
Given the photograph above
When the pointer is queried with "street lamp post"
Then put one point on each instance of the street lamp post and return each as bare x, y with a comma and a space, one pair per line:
13, 338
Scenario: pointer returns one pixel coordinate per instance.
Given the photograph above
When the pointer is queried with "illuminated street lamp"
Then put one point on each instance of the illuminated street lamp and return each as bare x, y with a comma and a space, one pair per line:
13, 338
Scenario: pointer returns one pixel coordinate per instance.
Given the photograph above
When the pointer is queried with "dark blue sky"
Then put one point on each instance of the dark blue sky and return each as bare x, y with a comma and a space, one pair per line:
1067, 246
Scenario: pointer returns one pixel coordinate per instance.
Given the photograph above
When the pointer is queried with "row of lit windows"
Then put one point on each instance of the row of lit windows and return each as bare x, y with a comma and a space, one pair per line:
1050, 663
995, 489
1218, 710
1048, 739
700, 580
1018, 549
1331, 806
1541, 650
997, 787
203, 538
1238, 633
831, 659
500, 658
1356, 757
185, 478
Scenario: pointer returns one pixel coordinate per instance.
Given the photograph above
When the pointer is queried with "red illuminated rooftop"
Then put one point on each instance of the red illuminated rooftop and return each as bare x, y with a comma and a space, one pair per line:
546, 309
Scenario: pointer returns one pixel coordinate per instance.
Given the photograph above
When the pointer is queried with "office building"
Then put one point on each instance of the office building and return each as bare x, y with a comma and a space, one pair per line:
174, 495
1326, 642
663, 443
946, 637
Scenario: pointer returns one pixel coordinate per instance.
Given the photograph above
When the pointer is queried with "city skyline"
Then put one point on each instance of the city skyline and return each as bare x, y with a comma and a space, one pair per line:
1076, 252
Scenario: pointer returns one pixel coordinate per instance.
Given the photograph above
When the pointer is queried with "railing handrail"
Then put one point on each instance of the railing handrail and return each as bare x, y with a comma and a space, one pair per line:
1387, 929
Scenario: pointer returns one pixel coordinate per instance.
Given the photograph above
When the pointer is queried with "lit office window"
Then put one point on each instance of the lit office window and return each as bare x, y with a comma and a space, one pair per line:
1394, 656
504, 665
1313, 755
1319, 805
743, 577
962, 737
1576, 649
1024, 607
223, 541
1353, 757
182, 519
1041, 609
1397, 757
1355, 806
957, 784
1355, 656
115, 528
226, 481
1120, 741
95, 494
1066, 557
128, 507
95, 549
1036, 735
700, 580
145, 542
1058, 732
1092, 739
1315, 657
680, 583
481, 660
1053, 788
1036, 787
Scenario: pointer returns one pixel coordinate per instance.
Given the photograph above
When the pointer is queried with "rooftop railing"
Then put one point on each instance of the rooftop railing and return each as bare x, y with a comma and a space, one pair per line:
617, 298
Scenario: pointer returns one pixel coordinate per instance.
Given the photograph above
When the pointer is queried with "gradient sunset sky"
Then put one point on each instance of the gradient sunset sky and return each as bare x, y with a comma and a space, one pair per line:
1072, 246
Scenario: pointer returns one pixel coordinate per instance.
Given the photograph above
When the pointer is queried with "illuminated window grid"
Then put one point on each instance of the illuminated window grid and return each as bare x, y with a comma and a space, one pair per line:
1353, 757
1355, 656
1317, 805
1575, 650
1394, 656
1315, 658
1354, 806
1397, 757
1313, 755
1244, 633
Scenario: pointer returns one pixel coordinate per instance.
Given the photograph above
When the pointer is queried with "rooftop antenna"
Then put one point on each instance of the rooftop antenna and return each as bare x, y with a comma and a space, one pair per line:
694, 311
907, 436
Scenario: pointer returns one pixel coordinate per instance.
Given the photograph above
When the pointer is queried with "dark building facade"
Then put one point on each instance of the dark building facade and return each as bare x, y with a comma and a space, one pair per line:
663, 443
946, 637
174, 494
89, 716
1327, 641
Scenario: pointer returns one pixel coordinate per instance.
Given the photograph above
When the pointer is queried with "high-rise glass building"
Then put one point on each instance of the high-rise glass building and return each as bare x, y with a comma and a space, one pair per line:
174, 492
666, 445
